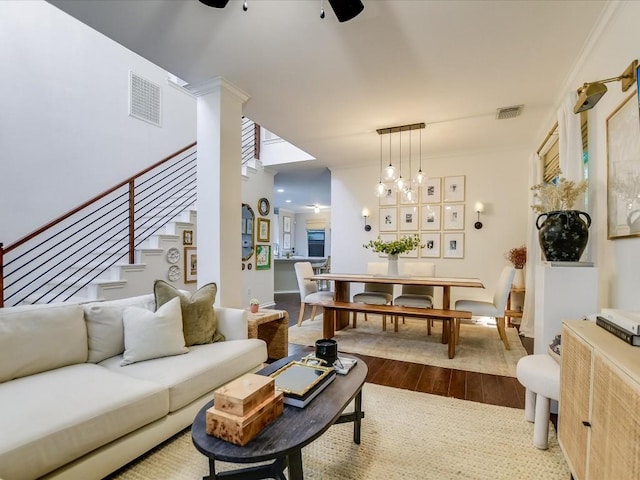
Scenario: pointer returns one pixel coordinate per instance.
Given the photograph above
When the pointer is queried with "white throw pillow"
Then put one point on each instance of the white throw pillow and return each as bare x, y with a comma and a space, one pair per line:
150, 335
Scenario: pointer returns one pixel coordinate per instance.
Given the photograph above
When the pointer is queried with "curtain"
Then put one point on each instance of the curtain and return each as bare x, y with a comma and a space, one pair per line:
534, 253
570, 140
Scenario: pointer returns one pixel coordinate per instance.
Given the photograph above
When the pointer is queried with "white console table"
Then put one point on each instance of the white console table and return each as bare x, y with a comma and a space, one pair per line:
562, 293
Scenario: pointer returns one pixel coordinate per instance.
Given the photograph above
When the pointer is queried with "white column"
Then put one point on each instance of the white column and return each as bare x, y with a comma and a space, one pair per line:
219, 188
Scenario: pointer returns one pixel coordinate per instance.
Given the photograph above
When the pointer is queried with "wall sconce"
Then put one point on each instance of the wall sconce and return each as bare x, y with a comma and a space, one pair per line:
365, 214
479, 209
591, 93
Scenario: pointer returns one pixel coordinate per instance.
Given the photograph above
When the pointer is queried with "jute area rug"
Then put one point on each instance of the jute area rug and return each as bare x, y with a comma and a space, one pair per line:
480, 348
405, 435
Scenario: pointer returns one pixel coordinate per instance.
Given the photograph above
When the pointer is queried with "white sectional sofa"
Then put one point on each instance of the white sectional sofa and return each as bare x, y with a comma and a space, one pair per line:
68, 409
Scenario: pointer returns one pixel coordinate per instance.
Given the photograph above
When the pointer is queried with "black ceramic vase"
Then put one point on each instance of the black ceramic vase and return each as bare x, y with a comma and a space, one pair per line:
563, 234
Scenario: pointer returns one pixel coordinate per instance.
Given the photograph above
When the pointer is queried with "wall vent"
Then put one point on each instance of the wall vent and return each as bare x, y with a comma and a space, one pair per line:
145, 99
509, 112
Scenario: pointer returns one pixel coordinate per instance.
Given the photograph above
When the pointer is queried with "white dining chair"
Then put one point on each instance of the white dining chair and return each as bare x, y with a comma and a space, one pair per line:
375, 293
496, 308
308, 289
419, 296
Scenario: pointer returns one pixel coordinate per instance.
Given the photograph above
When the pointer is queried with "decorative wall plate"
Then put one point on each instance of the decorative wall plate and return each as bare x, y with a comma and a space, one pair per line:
264, 207
173, 255
174, 273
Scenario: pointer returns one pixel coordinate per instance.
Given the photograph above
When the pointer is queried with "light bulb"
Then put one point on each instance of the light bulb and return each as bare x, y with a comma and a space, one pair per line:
419, 177
390, 173
381, 189
400, 183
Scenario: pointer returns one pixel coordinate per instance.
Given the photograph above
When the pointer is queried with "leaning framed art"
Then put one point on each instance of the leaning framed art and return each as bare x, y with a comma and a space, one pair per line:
190, 265
623, 170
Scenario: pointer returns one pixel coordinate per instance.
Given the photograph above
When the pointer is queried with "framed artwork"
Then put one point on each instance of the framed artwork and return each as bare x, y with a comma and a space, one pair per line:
453, 217
264, 230
187, 237
453, 190
409, 218
263, 257
286, 241
431, 242
190, 265
388, 219
430, 217
453, 244
264, 207
431, 192
286, 224
387, 237
390, 196
623, 170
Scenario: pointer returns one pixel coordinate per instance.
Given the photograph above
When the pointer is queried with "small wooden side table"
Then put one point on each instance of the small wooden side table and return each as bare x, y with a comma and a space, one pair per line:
272, 326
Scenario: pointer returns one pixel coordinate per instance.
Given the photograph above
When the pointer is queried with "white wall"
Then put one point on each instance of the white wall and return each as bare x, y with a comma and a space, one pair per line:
498, 179
610, 53
65, 131
258, 283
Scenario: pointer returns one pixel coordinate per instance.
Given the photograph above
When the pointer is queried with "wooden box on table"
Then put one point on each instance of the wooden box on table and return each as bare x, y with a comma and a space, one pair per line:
243, 407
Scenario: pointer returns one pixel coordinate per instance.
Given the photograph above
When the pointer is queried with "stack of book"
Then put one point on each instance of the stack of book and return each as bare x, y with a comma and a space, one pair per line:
623, 324
301, 382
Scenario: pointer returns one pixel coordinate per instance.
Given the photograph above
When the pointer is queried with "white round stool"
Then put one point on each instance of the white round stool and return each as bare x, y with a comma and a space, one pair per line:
540, 375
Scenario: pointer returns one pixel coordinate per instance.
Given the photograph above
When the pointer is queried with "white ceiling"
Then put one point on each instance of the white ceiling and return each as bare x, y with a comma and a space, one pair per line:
326, 86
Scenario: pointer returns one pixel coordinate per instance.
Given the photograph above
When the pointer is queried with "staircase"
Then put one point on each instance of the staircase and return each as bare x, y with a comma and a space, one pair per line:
117, 243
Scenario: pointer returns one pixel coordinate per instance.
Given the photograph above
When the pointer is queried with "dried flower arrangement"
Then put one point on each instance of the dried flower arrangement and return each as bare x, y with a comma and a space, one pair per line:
517, 256
405, 244
560, 196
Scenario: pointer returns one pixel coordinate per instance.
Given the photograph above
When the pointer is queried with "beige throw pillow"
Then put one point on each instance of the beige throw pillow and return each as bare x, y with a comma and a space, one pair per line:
150, 335
198, 316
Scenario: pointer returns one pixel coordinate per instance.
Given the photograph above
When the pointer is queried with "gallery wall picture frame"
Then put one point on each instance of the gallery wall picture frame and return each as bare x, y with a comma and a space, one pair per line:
187, 237
409, 220
623, 170
453, 190
430, 217
264, 207
190, 264
390, 197
453, 245
387, 237
286, 241
431, 191
388, 219
263, 257
264, 230
286, 224
453, 217
431, 242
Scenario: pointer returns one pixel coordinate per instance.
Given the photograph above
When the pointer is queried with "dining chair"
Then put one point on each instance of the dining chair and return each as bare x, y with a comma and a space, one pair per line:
496, 308
375, 293
308, 289
419, 296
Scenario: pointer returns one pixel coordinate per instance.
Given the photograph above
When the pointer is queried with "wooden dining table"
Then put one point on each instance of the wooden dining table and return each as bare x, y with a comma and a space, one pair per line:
342, 282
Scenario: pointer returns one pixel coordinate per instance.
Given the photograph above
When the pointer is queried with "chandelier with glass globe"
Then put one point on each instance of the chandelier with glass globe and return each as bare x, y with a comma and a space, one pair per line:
391, 179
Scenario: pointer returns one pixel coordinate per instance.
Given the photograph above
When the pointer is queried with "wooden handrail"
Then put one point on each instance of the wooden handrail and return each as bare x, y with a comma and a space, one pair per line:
63, 217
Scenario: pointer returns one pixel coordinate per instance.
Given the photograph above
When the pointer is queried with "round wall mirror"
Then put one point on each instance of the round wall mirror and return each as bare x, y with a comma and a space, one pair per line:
248, 245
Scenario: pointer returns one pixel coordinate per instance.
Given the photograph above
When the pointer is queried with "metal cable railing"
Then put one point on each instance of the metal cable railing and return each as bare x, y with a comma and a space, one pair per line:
63, 258
59, 260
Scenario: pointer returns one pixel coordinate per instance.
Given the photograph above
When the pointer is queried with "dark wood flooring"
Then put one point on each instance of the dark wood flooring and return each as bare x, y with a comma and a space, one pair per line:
477, 387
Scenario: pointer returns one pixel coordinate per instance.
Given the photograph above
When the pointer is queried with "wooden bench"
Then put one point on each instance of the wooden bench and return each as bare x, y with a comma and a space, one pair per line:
450, 318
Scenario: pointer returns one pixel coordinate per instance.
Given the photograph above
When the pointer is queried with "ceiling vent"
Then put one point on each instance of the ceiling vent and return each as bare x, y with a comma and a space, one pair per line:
145, 99
509, 112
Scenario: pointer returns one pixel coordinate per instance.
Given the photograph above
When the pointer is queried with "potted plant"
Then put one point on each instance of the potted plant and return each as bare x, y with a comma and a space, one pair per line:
563, 234
393, 248
254, 305
517, 256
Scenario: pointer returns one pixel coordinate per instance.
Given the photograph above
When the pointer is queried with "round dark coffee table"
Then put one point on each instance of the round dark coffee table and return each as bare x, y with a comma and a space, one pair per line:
283, 439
